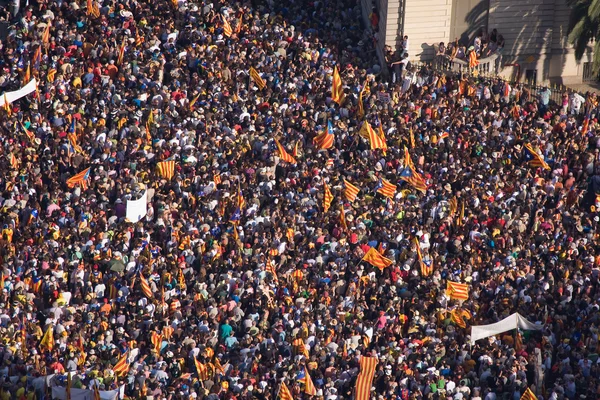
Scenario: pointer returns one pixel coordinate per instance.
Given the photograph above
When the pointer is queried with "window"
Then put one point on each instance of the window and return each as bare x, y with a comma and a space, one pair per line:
531, 76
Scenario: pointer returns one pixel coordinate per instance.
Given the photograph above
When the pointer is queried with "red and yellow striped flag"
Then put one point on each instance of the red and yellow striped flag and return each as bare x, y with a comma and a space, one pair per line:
13, 161
309, 386
121, 52
327, 197
365, 378
145, 286
350, 191
459, 316
361, 109
528, 395
95, 10
458, 291
343, 222
122, 366
201, 370
387, 189
88, 10
217, 180
46, 34
51, 74
227, 31
79, 179
375, 258
324, 140
260, 82
194, 100
284, 392
156, 339
337, 91
7, 106
166, 169
284, 154
27, 75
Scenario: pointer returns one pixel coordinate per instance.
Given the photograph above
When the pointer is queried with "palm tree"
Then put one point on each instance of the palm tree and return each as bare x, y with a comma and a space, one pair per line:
584, 27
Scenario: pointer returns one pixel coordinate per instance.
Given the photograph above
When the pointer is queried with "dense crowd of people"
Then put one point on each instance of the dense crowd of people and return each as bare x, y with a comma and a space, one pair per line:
237, 281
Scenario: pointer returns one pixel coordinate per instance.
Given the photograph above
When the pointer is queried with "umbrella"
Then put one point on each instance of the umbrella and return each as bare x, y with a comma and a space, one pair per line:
117, 265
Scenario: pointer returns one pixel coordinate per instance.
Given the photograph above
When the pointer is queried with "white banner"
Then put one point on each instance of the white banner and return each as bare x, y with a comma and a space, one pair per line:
137, 209
509, 323
60, 393
17, 94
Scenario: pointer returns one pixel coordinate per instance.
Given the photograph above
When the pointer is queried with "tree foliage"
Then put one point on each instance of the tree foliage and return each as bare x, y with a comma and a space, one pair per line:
584, 29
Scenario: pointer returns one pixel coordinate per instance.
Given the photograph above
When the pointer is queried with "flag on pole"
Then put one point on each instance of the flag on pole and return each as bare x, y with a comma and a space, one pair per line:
361, 109
145, 286
411, 176
327, 197
528, 395
304, 378
284, 392
343, 222
386, 188
79, 179
374, 258
14, 163
121, 52
166, 169
337, 91
534, 158
364, 380
324, 141
350, 191
260, 82
122, 366
226, 27
69, 385
284, 154
458, 291
46, 34
7, 106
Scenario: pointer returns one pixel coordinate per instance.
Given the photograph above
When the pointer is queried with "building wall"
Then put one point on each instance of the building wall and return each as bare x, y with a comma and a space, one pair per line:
426, 23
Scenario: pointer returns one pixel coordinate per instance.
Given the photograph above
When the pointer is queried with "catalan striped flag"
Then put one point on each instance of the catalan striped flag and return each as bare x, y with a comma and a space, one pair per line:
79, 179
240, 199
350, 191
411, 176
238, 27
194, 100
284, 392
284, 154
518, 342
458, 291
121, 55
37, 57
270, 268
386, 188
327, 197
459, 317
145, 286
380, 139
201, 370
343, 222
325, 140
7, 106
534, 158
256, 78
14, 163
166, 169
528, 395
227, 31
72, 138
337, 91
375, 258
236, 216
364, 380
586, 125
88, 10
27, 75
156, 339
51, 74
95, 10
217, 180
139, 40
149, 123
304, 378
361, 109
411, 135
122, 366
97, 393
425, 269
46, 34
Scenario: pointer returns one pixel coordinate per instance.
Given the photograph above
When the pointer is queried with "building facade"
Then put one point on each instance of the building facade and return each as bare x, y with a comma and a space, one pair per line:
535, 33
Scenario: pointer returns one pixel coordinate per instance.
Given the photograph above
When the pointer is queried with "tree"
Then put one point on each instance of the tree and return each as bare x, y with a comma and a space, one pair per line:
584, 28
